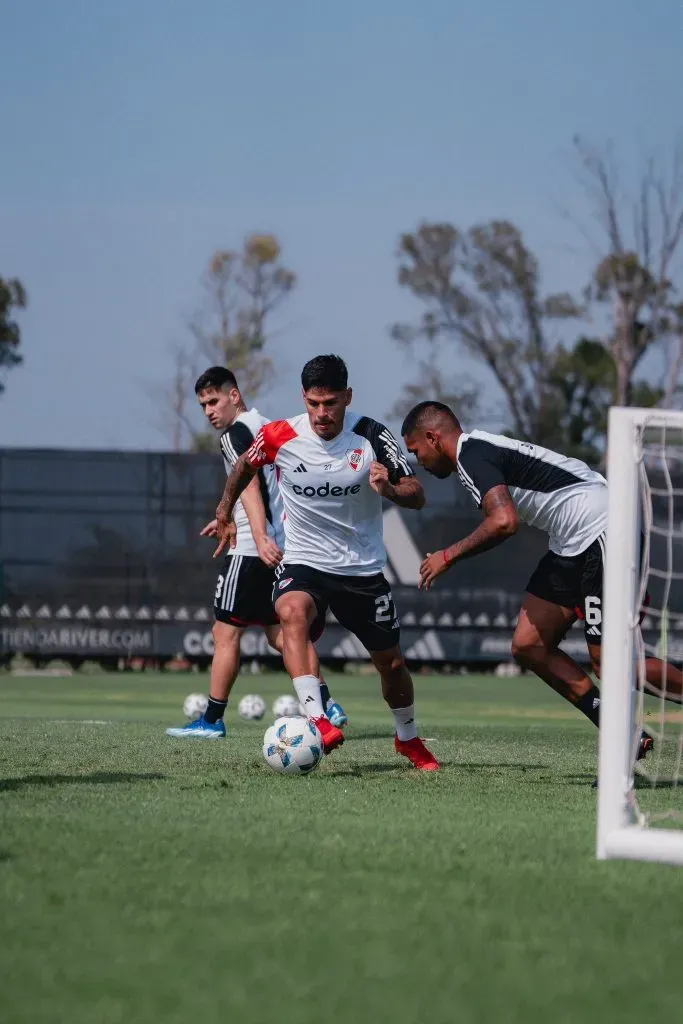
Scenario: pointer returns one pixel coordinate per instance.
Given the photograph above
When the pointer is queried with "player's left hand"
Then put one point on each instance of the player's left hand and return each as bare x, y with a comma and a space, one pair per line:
379, 479
432, 567
226, 531
268, 551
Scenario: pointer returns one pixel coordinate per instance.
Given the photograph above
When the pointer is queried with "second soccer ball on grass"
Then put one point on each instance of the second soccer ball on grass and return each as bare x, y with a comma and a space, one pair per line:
252, 708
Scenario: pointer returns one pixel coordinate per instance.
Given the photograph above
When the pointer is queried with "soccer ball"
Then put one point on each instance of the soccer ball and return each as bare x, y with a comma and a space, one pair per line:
252, 707
287, 707
293, 746
195, 705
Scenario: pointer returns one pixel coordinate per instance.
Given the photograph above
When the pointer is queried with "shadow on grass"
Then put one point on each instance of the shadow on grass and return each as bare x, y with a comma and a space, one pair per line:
473, 766
370, 734
90, 779
5, 856
363, 770
638, 783
358, 771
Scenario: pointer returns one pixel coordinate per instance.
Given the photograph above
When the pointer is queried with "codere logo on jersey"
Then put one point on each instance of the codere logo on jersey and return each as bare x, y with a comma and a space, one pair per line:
325, 491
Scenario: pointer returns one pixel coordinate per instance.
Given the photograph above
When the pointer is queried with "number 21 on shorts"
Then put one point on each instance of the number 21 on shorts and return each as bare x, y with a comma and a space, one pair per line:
385, 610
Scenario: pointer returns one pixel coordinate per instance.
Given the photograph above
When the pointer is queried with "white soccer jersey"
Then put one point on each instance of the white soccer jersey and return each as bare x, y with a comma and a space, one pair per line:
563, 497
333, 518
236, 440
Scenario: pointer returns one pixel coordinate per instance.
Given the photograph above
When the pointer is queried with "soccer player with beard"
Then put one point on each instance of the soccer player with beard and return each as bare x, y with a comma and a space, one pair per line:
513, 481
245, 585
334, 468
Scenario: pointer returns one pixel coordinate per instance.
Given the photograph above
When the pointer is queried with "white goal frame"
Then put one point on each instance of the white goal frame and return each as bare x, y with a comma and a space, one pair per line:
620, 835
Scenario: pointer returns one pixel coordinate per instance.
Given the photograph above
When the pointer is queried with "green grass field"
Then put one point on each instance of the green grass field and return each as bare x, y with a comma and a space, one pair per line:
144, 879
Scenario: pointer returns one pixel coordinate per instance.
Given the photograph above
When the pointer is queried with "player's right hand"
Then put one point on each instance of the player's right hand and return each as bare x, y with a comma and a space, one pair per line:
268, 551
210, 530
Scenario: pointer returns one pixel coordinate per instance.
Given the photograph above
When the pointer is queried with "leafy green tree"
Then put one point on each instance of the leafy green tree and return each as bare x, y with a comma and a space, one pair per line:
584, 382
12, 298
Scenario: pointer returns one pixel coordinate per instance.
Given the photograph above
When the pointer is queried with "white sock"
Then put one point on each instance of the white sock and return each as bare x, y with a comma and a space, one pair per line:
406, 727
308, 691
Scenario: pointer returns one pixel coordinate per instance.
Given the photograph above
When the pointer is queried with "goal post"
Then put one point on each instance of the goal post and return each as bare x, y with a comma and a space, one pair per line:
645, 479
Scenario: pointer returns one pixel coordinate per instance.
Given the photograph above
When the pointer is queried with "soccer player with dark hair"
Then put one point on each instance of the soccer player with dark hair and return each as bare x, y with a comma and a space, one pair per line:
511, 481
335, 467
245, 585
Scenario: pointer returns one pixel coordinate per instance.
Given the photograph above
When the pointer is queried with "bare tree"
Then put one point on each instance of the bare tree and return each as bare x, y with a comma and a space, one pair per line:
482, 296
231, 327
633, 279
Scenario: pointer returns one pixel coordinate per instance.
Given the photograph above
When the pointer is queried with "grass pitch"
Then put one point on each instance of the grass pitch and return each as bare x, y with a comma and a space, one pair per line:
145, 880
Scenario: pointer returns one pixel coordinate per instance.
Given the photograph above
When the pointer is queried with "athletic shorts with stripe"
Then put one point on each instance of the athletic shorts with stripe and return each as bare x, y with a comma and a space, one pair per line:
362, 604
574, 583
577, 583
244, 592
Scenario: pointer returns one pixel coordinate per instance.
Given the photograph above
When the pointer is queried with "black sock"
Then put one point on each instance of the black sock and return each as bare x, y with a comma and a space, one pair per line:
324, 694
215, 710
589, 704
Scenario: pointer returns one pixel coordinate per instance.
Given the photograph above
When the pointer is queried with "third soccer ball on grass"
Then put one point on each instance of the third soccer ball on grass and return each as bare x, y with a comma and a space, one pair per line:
293, 746
252, 707
287, 706
195, 705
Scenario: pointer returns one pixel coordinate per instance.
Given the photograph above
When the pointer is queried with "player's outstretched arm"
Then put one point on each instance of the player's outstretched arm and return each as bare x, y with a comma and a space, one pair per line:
407, 492
240, 477
500, 522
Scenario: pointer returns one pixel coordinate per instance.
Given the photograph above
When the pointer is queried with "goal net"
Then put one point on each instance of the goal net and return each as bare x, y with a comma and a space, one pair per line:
640, 801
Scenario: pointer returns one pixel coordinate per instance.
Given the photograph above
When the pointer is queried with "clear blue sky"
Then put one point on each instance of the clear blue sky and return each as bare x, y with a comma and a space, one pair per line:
137, 137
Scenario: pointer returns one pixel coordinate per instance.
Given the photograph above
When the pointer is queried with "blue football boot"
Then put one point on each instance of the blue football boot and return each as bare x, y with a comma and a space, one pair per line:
336, 715
199, 730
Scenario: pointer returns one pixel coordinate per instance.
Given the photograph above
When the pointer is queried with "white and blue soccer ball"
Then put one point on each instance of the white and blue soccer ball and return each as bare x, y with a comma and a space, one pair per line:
293, 746
287, 706
195, 705
251, 707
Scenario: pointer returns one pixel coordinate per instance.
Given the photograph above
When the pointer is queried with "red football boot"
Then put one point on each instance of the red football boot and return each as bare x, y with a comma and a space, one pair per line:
332, 736
416, 752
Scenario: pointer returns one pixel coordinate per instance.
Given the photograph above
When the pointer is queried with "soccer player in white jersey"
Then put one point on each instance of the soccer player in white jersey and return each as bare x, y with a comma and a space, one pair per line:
512, 481
334, 468
245, 585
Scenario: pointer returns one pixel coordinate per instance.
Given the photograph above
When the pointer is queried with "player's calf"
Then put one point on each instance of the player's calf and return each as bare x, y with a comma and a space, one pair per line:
398, 692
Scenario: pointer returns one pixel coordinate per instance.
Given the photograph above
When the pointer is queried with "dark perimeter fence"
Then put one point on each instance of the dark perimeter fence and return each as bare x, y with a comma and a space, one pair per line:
100, 556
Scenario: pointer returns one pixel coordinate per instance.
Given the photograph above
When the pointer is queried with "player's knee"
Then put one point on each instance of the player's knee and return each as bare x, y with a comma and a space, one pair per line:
527, 652
294, 615
389, 663
225, 635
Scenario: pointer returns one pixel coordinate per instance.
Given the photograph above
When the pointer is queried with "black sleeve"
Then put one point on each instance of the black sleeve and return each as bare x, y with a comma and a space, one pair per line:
480, 467
235, 441
385, 446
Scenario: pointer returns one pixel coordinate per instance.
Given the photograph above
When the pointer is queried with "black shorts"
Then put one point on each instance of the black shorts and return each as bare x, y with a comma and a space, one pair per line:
244, 592
574, 583
362, 604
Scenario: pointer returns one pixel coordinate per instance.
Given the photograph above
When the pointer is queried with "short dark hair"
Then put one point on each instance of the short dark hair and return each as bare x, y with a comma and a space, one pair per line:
425, 412
216, 377
325, 372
